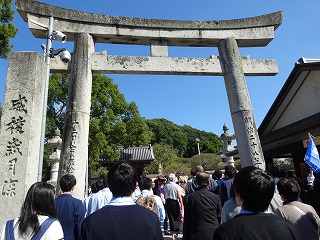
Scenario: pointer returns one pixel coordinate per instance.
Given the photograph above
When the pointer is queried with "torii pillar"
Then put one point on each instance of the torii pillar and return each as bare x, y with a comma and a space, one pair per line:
74, 152
248, 140
89, 28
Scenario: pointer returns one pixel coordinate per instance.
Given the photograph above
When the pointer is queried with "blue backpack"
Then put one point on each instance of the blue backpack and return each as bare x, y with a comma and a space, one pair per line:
43, 228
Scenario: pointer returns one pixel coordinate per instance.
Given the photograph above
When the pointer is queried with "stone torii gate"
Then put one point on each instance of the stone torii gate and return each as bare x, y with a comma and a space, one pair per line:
86, 29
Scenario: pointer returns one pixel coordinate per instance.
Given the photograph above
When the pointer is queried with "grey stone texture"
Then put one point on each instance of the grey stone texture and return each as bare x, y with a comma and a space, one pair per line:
89, 28
246, 133
20, 130
249, 32
74, 154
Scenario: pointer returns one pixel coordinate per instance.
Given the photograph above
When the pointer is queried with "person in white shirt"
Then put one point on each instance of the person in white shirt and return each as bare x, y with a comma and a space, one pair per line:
99, 199
146, 186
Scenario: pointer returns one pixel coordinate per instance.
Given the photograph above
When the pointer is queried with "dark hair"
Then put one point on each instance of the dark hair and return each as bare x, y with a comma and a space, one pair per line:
230, 171
105, 182
146, 183
193, 172
217, 174
39, 201
202, 179
274, 172
93, 188
99, 185
67, 182
255, 188
121, 179
289, 188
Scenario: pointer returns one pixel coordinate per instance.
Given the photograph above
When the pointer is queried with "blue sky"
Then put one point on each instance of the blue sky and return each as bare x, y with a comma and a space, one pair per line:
200, 102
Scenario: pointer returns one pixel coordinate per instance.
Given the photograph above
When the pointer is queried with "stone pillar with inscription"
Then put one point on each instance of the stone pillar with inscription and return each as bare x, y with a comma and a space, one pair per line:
20, 130
246, 133
74, 155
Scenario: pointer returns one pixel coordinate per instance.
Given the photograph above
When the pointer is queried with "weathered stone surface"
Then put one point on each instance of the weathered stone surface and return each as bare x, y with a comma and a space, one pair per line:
159, 48
246, 133
74, 154
102, 63
253, 31
20, 130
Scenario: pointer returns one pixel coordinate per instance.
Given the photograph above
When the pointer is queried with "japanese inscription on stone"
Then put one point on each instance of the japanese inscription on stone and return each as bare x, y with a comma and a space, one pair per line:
250, 128
13, 147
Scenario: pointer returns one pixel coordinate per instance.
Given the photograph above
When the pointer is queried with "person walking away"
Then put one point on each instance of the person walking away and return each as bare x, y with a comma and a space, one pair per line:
217, 176
302, 216
202, 210
159, 191
122, 219
100, 199
174, 205
146, 187
70, 210
229, 173
230, 208
37, 220
254, 190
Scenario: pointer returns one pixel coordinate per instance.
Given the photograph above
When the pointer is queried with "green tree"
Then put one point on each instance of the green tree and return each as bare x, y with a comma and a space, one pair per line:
209, 161
7, 29
167, 132
113, 121
183, 138
164, 155
178, 168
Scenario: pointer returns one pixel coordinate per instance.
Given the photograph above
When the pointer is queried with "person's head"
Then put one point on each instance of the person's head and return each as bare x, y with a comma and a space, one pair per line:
217, 174
202, 179
39, 201
93, 188
182, 181
99, 185
253, 189
199, 168
193, 172
274, 172
229, 171
172, 177
67, 182
289, 188
122, 179
146, 184
161, 180
105, 182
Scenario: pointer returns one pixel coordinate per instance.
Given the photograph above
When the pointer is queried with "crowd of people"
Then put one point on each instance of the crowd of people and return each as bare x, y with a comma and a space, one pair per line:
230, 204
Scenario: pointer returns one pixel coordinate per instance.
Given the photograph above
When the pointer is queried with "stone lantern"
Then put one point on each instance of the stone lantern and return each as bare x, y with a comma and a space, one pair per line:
227, 138
55, 144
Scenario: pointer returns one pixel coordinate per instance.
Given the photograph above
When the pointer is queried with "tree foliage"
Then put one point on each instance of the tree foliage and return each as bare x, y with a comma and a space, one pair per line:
7, 29
164, 155
183, 138
113, 121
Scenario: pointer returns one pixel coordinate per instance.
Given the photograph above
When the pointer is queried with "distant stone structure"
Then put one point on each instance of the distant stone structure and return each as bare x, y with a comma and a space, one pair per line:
86, 29
55, 144
227, 137
139, 157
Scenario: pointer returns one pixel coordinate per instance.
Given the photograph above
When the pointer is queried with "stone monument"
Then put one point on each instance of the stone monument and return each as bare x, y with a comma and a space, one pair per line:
227, 137
55, 144
20, 130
